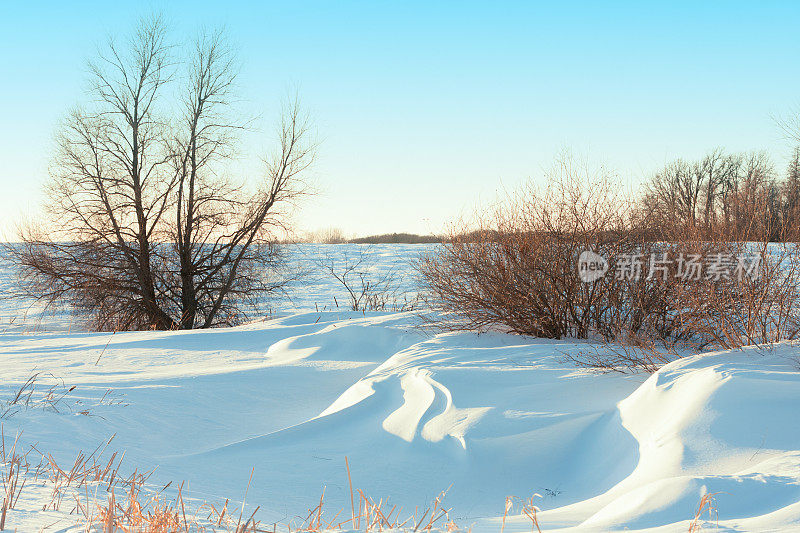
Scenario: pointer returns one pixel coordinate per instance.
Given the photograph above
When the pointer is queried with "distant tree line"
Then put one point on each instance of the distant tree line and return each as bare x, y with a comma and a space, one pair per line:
735, 194
398, 238
337, 236
738, 194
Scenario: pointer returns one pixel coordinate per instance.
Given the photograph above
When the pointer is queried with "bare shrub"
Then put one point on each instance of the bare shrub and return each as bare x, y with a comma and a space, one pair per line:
750, 294
518, 271
623, 356
368, 289
746, 310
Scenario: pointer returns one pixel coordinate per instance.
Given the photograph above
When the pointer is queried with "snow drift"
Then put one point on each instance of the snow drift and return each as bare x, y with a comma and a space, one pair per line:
487, 415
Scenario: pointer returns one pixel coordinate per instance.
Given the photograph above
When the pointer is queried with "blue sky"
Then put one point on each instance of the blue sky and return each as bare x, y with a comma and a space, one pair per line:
425, 108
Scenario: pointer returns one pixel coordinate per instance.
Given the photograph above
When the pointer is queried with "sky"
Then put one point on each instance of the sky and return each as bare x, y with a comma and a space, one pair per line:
424, 110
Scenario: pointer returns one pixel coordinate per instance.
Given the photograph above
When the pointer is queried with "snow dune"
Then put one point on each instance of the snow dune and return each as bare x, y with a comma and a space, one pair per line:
416, 412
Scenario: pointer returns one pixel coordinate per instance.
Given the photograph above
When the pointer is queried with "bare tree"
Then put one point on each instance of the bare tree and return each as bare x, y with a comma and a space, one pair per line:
108, 191
225, 234
673, 194
221, 232
152, 231
737, 193
714, 172
791, 216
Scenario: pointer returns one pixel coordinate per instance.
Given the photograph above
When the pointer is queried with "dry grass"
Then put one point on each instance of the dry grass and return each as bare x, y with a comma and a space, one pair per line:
42, 390
139, 513
11, 466
87, 489
47, 392
369, 514
92, 490
525, 507
708, 505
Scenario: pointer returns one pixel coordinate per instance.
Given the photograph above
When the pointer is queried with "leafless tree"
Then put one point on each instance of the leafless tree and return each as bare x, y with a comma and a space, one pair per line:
734, 192
222, 231
791, 194
148, 229
109, 190
674, 193
714, 172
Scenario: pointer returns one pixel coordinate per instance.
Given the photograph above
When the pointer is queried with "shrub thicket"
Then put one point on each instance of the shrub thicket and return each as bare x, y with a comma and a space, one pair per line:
518, 270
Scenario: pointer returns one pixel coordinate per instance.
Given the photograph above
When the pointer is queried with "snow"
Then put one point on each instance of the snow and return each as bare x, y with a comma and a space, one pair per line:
416, 411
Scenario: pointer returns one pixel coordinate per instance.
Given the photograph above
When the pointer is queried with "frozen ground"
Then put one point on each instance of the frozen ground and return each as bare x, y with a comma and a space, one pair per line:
416, 412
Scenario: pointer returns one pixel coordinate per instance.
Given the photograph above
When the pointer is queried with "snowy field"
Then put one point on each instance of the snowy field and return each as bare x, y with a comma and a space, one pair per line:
415, 412
314, 289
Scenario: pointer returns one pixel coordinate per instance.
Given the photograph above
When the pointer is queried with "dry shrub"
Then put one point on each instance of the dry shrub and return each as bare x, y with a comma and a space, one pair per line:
518, 271
624, 356
747, 310
755, 299
367, 287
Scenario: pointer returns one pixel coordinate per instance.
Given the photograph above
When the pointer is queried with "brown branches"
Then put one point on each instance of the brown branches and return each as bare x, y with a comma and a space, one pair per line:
519, 271
367, 288
148, 229
738, 195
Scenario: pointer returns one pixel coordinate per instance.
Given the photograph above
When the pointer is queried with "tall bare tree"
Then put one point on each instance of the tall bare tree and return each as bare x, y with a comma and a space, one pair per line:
791, 217
153, 231
673, 194
734, 193
108, 190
